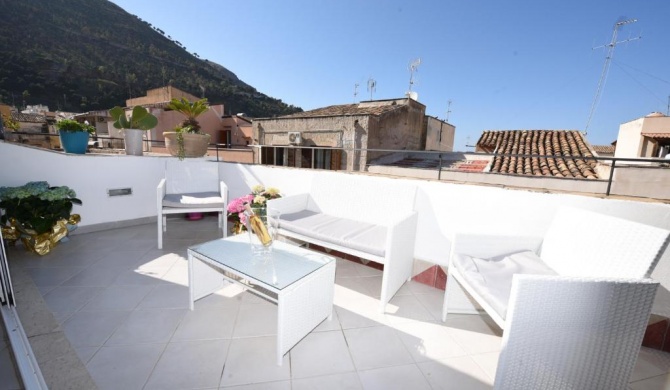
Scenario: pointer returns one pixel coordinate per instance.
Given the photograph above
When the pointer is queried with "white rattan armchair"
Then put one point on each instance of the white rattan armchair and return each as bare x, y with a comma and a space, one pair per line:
573, 333
578, 243
191, 187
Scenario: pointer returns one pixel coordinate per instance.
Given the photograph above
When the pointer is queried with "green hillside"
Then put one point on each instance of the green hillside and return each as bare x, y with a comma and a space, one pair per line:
82, 55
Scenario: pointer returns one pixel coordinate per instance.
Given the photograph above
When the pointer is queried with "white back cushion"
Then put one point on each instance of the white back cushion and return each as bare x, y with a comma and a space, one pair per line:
362, 198
585, 243
191, 176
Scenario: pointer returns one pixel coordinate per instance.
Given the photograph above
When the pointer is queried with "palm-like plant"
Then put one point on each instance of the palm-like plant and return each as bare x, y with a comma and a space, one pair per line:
191, 110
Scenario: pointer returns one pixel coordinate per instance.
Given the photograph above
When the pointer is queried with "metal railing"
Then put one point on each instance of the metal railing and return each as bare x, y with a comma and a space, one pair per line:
360, 158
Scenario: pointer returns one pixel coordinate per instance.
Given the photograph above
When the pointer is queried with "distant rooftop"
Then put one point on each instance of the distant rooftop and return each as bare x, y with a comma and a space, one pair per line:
372, 107
562, 149
604, 149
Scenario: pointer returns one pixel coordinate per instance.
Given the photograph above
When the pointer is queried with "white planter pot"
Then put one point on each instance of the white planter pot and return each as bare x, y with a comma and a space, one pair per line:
133, 140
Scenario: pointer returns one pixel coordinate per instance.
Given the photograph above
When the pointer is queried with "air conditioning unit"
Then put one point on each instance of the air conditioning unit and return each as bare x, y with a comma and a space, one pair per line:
294, 138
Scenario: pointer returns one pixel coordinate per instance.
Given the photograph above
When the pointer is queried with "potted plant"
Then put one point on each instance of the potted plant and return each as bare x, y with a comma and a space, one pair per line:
134, 127
38, 214
74, 135
186, 140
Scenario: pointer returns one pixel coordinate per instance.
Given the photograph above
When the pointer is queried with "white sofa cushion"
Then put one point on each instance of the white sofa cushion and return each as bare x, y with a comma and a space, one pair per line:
357, 235
206, 199
492, 278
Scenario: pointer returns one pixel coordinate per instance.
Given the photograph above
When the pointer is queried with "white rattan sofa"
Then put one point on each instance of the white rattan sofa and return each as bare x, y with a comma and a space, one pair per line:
578, 243
569, 333
366, 217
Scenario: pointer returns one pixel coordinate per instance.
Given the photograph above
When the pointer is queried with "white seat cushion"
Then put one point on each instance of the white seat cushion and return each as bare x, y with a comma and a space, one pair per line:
357, 235
194, 199
492, 278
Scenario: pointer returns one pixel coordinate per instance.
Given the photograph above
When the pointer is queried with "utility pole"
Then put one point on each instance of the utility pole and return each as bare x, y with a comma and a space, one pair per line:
608, 59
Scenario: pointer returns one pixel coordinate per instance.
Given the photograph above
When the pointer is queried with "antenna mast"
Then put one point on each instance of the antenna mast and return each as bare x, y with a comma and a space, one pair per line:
603, 76
372, 86
355, 91
413, 67
448, 110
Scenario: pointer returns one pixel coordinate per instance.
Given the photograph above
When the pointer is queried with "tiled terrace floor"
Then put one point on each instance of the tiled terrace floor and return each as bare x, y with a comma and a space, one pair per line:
123, 306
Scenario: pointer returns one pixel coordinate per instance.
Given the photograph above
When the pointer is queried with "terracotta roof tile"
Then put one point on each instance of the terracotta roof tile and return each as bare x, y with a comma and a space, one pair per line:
556, 150
364, 108
657, 135
604, 148
21, 117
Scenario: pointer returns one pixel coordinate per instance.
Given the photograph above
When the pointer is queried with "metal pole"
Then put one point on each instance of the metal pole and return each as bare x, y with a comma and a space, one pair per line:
609, 181
439, 168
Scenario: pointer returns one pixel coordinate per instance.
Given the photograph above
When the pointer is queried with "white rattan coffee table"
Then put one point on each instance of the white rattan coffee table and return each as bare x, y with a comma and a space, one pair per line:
298, 280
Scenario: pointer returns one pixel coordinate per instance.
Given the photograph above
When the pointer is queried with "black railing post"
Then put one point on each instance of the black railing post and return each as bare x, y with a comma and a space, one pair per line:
439, 167
609, 181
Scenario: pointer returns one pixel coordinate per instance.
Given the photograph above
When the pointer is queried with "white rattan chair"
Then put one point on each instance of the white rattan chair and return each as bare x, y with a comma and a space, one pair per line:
191, 187
573, 333
578, 243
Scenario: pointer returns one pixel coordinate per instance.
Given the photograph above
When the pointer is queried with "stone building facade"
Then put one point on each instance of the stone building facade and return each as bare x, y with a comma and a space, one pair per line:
340, 136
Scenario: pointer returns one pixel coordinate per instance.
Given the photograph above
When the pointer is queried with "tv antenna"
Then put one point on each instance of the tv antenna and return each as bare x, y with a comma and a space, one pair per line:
413, 67
355, 91
608, 59
372, 86
448, 110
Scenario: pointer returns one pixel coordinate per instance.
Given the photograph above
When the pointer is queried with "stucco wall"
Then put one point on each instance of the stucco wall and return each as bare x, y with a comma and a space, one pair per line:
629, 139
397, 130
439, 135
444, 208
348, 132
650, 182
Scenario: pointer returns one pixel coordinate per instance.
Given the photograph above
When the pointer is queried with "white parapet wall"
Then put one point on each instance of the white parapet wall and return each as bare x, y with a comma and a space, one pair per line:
444, 208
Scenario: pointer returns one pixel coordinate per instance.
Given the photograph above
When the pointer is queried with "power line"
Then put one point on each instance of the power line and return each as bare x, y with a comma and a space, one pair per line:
642, 71
639, 83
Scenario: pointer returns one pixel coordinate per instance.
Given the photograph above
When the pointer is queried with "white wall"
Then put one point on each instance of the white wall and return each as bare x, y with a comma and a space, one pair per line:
444, 208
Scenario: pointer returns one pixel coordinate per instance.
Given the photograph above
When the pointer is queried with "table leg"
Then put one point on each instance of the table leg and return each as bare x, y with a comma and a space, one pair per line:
302, 306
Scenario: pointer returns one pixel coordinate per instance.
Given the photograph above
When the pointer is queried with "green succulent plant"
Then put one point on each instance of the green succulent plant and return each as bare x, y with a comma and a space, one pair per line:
140, 118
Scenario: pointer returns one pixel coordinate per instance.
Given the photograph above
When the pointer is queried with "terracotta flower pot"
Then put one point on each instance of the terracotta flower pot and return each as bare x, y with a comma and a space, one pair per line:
195, 145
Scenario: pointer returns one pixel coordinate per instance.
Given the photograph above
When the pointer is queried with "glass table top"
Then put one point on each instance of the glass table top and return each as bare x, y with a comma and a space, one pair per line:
286, 264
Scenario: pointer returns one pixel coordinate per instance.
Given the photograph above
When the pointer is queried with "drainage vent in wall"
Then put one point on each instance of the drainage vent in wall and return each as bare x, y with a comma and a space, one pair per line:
120, 192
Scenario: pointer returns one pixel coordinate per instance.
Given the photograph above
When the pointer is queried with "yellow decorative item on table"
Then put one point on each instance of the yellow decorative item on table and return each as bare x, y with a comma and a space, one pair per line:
257, 201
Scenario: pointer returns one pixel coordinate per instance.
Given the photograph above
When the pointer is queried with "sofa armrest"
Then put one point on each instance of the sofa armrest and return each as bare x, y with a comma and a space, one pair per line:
289, 204
399, 256
160, 194
223, 191
600, 323
486, 246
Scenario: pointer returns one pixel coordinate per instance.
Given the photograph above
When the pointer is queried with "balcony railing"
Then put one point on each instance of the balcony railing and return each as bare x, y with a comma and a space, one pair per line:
631, 172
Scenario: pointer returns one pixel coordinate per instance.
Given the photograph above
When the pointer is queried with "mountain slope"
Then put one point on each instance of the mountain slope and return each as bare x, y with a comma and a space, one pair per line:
81, 55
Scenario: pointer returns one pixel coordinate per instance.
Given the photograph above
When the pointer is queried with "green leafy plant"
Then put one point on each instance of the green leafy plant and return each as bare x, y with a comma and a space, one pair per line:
190, 125
190, 110
72, 126
36, 205
10, 123
140, 118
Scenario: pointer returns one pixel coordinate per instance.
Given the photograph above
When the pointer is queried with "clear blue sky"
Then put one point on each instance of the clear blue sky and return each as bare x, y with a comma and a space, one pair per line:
505, 65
